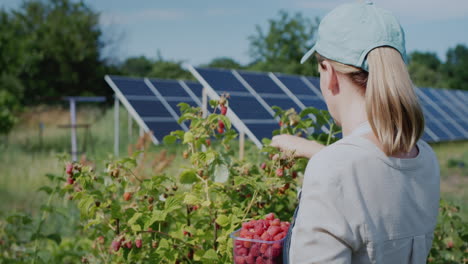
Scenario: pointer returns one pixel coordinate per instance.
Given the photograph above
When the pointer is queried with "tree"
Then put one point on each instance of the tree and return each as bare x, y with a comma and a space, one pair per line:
456, 68
62, 43
287, 39
223, 62
137, 66
424, 68
169, 70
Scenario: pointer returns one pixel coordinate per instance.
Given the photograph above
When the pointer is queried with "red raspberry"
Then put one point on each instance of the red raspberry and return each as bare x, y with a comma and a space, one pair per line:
221, 124
138, 243
239, 260
69, 169
223, 110
116, 245
275, 222
70, 180
273, 230
270, 216
263, 166
127, 196
220, 130
128, 244
280, 172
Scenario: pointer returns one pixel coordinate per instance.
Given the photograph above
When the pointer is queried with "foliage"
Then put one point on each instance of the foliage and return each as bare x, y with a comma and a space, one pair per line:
282, 46
184, 218
456, 68
137, 66
224, 62
450, 243
424, 68
11, 91
53, 47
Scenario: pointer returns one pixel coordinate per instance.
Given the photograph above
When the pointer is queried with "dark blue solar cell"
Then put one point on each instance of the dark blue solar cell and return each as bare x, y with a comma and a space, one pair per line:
295, 85
261, 83
149, 108
435, 128
452, 112
196, 88
131, 86
174, 103
247, 107
427, 108
285, 103
317, 103
221, 80
456, 132
262, 130
427, 138
162, 129
429, 93
169, 88
315, 81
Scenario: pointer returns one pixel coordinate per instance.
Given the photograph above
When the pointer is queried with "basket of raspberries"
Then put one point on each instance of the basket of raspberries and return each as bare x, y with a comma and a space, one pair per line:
260, 241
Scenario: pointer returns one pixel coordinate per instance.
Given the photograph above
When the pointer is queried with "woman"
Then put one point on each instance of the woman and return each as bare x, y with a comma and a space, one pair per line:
373, 196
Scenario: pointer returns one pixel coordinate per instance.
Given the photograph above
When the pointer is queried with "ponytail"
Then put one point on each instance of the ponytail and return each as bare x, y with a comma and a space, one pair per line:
392, 106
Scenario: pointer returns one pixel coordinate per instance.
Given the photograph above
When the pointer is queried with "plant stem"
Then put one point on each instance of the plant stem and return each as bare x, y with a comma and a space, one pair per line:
169, 236
250, 205
39, 227
330, 134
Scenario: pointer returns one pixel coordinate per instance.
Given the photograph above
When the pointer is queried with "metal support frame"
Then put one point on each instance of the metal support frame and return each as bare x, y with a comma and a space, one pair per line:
164, 102
116, 126
143, 127
190, 92
74, 146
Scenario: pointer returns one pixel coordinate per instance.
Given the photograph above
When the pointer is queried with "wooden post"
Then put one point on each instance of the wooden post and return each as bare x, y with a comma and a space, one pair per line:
116, 126
74, 147
241, 145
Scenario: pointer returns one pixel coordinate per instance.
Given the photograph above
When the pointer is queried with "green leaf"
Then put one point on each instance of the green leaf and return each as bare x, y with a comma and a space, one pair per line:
169, 139
221, 173
55, 237
190, 199
210, 254
46, 189
188, 137
223, 220
134, 218
159, 215
172, 204
188, 177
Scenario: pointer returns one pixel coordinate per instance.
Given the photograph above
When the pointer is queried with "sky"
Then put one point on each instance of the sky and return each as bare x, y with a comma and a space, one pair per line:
195, 32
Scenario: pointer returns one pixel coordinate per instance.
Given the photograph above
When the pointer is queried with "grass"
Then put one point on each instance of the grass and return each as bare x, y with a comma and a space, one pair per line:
25, 157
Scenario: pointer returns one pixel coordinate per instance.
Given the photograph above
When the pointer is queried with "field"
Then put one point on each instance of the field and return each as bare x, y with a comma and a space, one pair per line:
25, 158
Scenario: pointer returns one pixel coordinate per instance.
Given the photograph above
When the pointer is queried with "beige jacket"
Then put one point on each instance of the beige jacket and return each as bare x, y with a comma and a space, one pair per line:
360, 206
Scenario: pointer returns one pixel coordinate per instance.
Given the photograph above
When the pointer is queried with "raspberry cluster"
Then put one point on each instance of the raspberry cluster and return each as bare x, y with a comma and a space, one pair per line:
269, 234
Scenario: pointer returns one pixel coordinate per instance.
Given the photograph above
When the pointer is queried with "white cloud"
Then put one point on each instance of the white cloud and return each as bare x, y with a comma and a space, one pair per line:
425, 10
143, 15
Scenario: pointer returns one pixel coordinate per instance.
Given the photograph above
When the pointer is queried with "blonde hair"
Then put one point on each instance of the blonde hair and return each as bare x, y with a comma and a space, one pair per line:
392, 106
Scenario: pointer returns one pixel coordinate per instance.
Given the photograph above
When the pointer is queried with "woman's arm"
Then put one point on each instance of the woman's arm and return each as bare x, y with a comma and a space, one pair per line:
303, 148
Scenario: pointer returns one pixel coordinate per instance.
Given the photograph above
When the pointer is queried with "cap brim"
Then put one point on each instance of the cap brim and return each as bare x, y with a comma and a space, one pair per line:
308, 54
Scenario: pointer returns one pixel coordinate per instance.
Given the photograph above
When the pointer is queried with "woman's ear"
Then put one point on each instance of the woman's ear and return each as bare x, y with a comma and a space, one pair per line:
329, 73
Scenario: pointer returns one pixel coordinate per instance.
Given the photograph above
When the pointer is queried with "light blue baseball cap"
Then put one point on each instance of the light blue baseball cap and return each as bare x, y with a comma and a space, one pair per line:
350, 31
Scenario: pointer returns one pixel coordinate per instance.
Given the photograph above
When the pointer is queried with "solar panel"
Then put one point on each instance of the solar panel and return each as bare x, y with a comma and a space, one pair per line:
146, 105
451, 126
303, 90
249, 112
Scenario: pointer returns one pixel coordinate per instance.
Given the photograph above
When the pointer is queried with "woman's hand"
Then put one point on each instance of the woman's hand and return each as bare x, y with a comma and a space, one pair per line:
302, 147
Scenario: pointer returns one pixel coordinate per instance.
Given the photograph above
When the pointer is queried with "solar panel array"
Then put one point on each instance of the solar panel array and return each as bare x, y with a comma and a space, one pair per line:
154, 102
